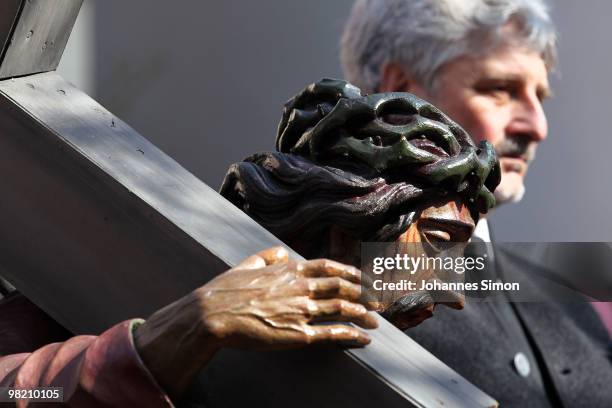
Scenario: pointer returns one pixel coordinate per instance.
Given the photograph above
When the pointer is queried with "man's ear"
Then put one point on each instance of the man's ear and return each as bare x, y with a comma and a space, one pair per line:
394, 78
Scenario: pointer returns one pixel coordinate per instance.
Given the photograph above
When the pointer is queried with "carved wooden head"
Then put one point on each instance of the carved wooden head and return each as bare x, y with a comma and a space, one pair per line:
354, 168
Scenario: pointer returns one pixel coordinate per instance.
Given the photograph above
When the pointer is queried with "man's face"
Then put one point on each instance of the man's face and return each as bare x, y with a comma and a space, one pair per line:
497, 97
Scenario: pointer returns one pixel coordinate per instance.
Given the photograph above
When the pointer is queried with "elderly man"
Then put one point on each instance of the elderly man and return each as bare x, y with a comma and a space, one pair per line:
486, 64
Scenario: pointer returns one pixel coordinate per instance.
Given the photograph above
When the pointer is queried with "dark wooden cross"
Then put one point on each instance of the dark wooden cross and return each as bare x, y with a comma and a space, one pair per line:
97, 225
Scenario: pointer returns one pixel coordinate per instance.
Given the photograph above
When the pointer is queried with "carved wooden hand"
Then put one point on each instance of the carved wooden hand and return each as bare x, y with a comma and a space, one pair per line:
267, 302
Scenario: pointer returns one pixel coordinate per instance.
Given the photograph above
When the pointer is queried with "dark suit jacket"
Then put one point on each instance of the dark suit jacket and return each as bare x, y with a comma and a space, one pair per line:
567, 347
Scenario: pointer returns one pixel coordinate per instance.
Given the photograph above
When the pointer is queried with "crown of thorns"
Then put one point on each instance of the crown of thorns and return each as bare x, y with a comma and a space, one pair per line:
395, 135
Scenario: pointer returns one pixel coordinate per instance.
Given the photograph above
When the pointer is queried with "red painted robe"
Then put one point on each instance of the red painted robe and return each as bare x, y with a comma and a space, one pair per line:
94, 371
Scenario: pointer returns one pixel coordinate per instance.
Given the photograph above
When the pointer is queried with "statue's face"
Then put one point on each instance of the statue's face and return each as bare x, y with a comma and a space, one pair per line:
435, 229
446, 222
439, 229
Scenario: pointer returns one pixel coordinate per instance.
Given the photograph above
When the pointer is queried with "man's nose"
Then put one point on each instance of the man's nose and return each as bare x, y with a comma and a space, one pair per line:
529, 119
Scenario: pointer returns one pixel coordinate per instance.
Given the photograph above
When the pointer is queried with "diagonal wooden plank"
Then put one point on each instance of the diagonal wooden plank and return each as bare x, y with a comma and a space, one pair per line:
37, 36
125, 183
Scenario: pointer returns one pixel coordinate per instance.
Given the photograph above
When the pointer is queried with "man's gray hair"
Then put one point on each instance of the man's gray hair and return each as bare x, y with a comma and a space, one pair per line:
423, 35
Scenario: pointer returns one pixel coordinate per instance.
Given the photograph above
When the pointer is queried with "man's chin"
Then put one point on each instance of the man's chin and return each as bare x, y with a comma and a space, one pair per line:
510, 190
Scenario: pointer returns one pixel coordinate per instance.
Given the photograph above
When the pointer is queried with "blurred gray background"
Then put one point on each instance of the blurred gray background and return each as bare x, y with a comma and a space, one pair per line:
205, 81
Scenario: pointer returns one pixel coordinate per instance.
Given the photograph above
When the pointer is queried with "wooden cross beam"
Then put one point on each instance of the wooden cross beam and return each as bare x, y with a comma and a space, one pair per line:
97, 225
33, 34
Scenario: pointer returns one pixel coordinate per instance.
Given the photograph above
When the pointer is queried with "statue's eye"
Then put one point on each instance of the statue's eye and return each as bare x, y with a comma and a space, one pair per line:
434, 239
437, 235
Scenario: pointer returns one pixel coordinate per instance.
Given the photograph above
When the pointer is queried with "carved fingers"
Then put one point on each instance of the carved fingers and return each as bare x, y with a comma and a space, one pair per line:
336, 287
274, 255
329, 268
252, 262
332, 294
267, 302
339, 310
302, 321
338, 333
329, 279
264, 258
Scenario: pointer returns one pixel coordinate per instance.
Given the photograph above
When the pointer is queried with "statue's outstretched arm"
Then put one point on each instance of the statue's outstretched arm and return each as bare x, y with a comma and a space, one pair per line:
265, 303
94, 371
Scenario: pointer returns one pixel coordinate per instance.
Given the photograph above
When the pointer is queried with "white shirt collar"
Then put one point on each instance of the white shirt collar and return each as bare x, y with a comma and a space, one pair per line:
482, 230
